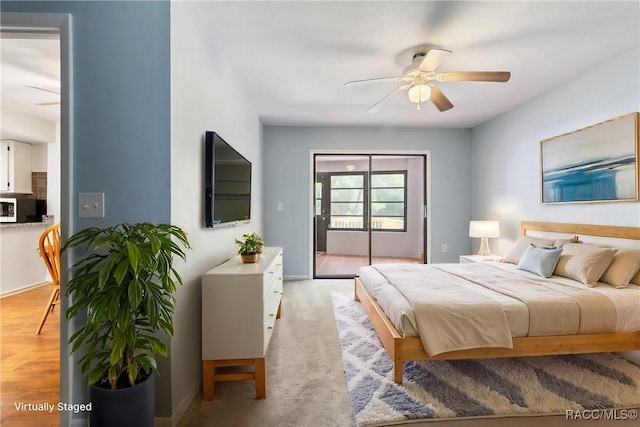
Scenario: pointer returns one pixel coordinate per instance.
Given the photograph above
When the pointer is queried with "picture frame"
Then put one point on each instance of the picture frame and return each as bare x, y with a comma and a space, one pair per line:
598, 163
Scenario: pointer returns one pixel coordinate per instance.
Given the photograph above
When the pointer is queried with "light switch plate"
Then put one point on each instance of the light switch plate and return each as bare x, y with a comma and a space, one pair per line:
91, 205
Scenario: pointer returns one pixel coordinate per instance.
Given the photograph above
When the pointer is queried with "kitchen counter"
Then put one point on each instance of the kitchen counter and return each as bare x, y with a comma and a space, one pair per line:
6, 225
22, 266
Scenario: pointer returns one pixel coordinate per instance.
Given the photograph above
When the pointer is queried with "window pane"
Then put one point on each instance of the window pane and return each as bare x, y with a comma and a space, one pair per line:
347, 181
386, 223
346, 208
393, 209
318, 207
387, 180
318, 190
346, 222
346, 195
387, 195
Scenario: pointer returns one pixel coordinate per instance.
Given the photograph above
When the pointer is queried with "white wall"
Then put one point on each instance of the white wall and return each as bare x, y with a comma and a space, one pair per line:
38, 158
506, 150
54, 188
205, 95
21, 126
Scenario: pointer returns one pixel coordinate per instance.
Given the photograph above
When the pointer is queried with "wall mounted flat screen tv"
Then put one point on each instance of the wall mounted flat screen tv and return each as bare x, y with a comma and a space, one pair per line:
227, 184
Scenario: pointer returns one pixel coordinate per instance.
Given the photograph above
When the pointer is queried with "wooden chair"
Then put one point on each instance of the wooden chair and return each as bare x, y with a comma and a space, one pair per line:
49, 248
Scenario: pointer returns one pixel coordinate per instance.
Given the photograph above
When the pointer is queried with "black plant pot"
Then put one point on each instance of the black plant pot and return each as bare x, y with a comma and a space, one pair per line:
126, 407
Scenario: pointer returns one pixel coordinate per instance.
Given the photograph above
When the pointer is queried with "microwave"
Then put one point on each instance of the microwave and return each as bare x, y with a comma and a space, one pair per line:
8, 209
22, 209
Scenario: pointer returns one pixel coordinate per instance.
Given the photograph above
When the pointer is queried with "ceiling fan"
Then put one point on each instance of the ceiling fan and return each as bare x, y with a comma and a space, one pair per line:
420, 74
45, 104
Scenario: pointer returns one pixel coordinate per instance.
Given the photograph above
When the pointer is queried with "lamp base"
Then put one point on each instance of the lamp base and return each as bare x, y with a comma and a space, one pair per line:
484, 247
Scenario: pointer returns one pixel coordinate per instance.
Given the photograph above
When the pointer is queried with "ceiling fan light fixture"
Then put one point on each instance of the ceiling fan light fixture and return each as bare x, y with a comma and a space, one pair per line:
419, 93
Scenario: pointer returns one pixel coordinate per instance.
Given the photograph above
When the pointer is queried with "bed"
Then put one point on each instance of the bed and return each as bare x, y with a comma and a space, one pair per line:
402, 346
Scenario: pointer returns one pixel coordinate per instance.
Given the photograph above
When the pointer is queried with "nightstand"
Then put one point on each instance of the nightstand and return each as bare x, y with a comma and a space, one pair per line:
478, 258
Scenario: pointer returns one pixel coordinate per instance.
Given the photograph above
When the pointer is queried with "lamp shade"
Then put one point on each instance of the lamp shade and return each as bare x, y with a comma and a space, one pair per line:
484, 229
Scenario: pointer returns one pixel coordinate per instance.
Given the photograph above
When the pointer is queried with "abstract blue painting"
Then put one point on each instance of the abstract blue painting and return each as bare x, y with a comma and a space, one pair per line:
596, 164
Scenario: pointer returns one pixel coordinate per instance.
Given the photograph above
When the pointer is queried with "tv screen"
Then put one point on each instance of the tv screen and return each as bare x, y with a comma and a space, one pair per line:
227, 183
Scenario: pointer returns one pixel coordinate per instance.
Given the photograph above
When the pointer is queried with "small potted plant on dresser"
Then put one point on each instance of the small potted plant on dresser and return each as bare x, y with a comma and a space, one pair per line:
125, 285
247, 250
256, 240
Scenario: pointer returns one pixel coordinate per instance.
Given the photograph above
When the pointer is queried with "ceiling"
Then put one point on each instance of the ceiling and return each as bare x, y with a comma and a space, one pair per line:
26, 64
293, 58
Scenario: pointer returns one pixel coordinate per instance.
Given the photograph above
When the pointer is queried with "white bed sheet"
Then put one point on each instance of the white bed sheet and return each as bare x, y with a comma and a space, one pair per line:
400, 311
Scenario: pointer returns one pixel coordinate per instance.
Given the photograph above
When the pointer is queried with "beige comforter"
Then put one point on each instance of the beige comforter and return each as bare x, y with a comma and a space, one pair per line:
452, 314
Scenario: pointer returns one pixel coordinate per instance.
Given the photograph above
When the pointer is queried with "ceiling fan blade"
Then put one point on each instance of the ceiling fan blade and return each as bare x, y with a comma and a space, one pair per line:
379, 79
46, 104
41, 88
433, 59
475, 76
378, 105
438, 98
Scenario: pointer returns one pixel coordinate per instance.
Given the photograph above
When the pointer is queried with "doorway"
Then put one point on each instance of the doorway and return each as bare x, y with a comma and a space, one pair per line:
368, 208
57, 26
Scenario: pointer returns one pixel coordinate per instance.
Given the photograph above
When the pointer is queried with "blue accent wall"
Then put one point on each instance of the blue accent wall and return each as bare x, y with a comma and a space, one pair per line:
121, 98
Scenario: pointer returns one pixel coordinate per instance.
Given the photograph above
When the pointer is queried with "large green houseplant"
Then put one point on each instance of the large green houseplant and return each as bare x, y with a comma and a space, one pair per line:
125, 285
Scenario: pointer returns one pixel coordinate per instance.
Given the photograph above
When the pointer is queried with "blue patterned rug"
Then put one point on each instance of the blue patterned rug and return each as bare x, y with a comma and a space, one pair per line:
437, 390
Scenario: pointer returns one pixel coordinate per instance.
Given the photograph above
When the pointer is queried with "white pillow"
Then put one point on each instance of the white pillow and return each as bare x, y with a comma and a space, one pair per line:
624, 265
584, 263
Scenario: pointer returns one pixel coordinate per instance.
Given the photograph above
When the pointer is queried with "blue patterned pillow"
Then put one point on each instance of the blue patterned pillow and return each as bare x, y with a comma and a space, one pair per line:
541, 260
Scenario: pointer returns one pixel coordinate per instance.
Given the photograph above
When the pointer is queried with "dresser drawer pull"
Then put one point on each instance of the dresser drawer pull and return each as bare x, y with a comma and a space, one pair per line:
277, 292
270, 327
271, 272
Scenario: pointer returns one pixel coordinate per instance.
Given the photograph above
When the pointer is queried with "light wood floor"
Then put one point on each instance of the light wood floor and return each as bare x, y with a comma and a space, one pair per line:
329, 264
30, 371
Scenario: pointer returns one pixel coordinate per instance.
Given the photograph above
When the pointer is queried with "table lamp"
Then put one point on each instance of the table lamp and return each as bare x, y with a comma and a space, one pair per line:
484, 230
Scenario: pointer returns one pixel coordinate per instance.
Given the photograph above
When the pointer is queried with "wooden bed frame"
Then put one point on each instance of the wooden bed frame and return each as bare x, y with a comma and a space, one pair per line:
402, 349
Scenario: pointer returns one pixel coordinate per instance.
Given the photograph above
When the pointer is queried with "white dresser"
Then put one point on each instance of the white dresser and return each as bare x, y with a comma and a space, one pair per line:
240, 304
479, 258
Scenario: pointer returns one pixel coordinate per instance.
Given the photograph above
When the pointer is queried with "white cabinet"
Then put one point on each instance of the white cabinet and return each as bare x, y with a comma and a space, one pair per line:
15, 167
22, 266
240, 305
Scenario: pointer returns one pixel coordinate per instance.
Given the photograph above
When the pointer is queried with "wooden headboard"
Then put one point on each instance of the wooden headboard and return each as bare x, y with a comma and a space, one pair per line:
615, 231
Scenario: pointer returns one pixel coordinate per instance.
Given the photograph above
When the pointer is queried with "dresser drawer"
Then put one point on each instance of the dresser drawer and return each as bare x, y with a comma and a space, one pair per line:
273, 273
272, 300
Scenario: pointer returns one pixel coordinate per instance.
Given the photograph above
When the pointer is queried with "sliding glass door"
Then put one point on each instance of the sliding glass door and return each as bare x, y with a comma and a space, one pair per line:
368, 209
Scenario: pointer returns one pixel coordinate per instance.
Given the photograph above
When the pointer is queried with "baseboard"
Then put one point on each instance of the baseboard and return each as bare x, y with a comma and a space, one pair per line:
296, 277
157, 422
25, 289
182, 406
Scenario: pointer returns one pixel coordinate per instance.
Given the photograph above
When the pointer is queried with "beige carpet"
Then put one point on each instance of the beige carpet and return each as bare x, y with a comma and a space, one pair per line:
306, 385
